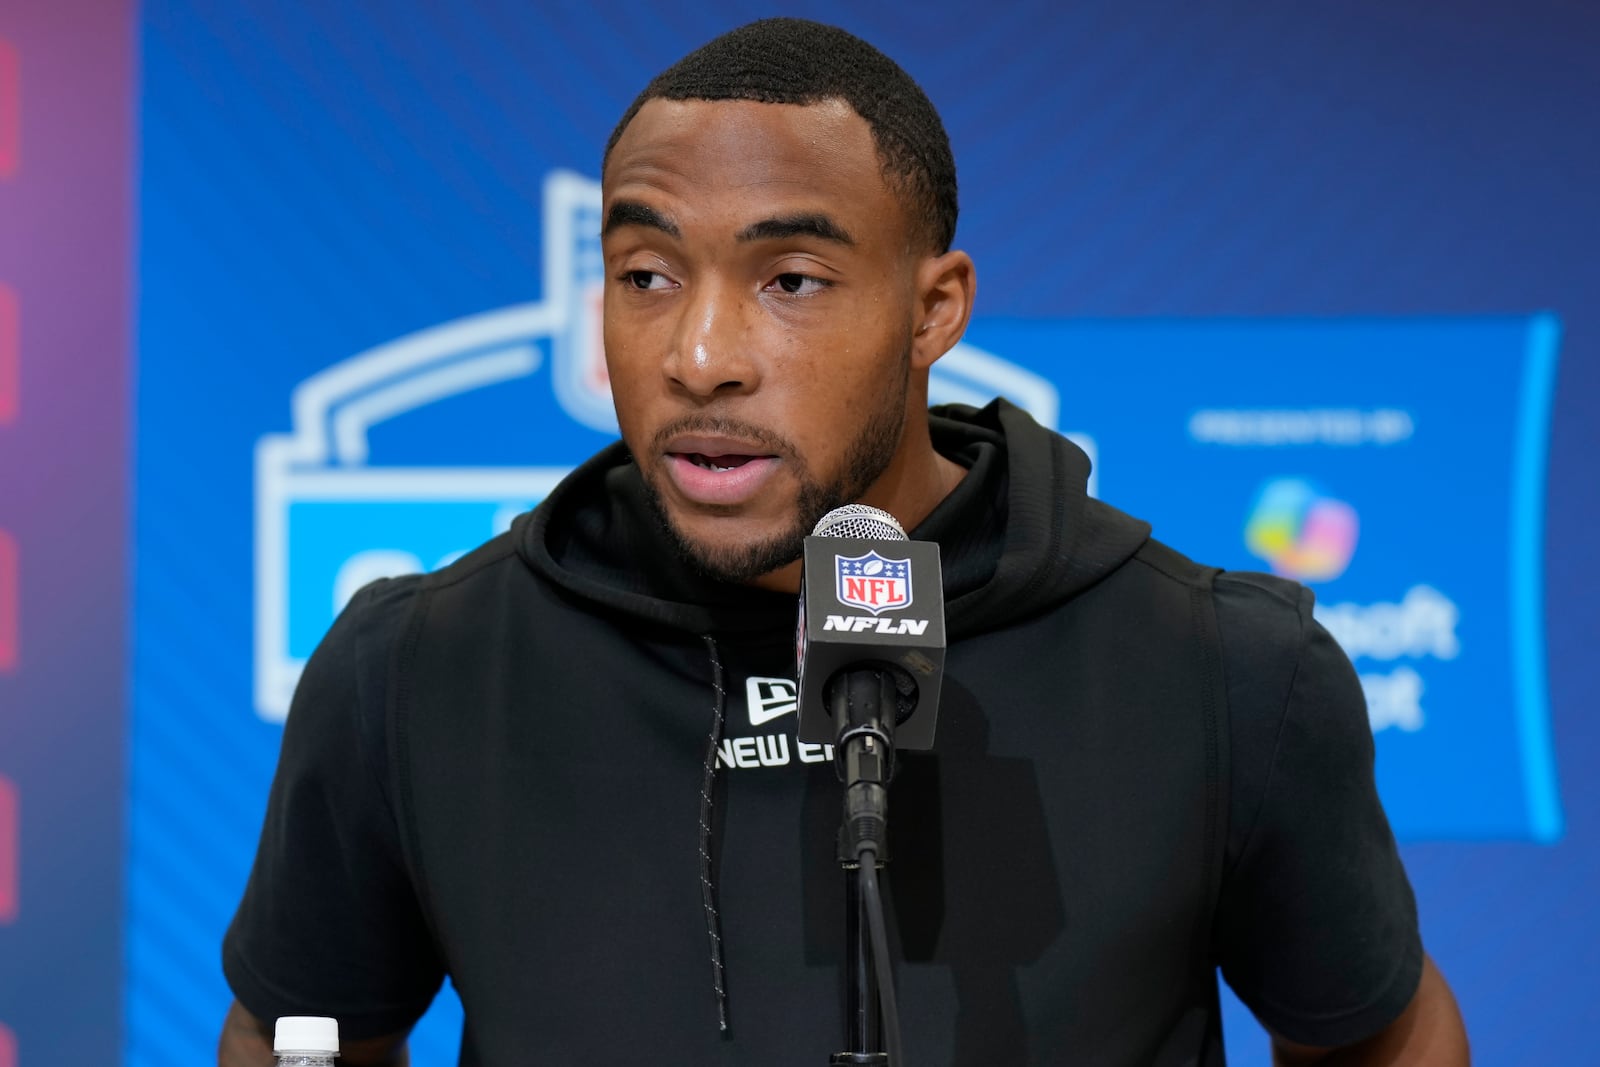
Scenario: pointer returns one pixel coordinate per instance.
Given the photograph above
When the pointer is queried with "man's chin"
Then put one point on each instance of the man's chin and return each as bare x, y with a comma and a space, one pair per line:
740, 560
735, 546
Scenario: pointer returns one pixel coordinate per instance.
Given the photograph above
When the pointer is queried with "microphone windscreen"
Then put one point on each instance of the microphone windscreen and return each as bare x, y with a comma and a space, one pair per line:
861, 522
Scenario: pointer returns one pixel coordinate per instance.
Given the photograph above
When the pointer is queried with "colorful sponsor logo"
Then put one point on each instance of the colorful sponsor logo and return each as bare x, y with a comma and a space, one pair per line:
1301, 532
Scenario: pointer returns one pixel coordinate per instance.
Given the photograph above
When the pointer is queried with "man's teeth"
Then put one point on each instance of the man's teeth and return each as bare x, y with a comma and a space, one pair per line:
711, 465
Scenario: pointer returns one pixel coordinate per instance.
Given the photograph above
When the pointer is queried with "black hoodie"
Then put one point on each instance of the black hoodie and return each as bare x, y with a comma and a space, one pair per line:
1145, 770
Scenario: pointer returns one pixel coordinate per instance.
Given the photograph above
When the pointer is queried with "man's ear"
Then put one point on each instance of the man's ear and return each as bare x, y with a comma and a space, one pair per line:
946, 286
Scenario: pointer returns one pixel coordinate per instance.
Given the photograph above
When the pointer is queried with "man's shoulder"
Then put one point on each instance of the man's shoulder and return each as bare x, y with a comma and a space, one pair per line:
1264, 605
379, 613
1162, 559
488, 562
1280, 663
1263, 623
1263, 619
355, 650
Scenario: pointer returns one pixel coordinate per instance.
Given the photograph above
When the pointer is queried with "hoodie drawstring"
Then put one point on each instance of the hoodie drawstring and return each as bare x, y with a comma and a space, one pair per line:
708, 870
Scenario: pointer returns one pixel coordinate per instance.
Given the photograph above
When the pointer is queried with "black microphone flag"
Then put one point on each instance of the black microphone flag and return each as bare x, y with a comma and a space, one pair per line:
870, 598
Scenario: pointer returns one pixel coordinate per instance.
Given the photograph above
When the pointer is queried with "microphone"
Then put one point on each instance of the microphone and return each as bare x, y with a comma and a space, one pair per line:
870, 646
871, 631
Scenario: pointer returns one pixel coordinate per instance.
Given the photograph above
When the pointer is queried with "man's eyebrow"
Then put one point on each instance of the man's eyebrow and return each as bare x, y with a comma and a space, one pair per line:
633, 213
803, 225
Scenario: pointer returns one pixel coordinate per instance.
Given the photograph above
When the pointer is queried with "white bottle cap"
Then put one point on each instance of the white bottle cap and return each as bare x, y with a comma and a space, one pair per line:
306, 1033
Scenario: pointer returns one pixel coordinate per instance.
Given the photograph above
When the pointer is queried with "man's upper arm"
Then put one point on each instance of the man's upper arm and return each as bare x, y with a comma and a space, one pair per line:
1429, 1033
330, 923
1316, 927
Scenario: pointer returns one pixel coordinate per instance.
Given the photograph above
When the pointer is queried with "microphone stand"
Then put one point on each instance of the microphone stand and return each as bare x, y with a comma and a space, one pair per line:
863, 1024
863, 704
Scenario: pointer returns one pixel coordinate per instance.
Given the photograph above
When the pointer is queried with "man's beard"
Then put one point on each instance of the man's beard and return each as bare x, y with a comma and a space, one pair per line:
868, 456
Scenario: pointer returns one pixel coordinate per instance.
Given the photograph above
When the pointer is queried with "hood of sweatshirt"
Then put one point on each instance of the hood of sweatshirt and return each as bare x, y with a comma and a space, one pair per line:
1017, 536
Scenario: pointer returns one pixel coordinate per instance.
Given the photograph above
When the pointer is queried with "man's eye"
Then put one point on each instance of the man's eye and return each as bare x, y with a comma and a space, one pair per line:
645, 279
799, 284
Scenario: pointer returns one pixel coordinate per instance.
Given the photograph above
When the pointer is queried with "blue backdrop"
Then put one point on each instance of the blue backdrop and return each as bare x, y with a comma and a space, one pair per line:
1314, 285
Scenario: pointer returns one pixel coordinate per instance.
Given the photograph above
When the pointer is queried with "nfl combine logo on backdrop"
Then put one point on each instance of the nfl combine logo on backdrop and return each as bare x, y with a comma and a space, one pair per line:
872, 582
329, 519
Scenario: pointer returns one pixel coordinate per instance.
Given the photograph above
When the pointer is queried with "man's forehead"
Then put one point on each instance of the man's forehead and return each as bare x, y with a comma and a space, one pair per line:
747, 138
752, 170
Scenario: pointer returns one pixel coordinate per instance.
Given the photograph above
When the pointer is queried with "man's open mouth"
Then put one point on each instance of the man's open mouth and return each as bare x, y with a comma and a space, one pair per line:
718, 463
713, 477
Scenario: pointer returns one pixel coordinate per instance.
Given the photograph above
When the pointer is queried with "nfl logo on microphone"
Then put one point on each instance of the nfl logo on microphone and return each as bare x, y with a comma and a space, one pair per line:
873, 583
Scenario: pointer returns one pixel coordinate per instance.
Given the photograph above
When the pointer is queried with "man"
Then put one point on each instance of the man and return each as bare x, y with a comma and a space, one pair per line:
533, 770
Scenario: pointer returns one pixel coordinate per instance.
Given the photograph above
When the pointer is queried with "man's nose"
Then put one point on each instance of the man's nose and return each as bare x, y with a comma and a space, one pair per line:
712, 349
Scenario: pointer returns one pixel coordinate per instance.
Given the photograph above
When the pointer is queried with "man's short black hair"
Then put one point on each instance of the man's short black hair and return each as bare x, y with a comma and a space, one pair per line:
795, 61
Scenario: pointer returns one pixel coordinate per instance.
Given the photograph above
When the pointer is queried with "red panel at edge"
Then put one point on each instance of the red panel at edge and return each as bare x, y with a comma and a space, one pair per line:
10, 845
10, 109
10, 573
10, 353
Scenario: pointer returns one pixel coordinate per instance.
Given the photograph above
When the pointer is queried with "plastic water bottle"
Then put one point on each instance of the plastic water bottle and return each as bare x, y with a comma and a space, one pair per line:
306, 1041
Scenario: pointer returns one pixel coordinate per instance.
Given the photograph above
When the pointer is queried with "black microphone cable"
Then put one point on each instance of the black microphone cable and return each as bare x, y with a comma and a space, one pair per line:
879, 933
866, 705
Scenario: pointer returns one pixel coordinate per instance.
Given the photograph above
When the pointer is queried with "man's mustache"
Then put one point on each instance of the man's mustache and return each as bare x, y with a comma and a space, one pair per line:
722, 426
